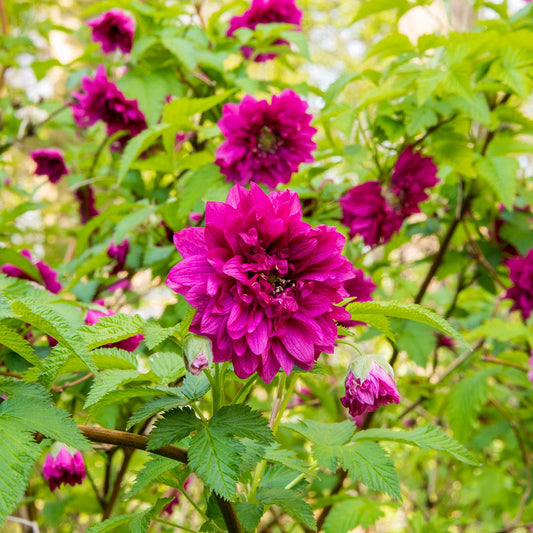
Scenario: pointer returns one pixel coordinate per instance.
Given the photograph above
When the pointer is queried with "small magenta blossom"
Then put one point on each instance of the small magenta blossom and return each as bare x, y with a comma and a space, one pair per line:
365, 212
50, 162
102, 100
264, 282
169, 509
266, 12
65, 468
265, 142
521, 274
366, 395
130, 344
118, 252
87, 203
48, 275
114, 30
412, 175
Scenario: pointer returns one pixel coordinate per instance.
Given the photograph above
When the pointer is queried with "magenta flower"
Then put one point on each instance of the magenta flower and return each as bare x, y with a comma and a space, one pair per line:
130, 344
64, 468
48, 276
521, 274
364, 396
50, 162
530, 371
265, 143
169, 509
118, 252
361, 289
103, 100
263, 281
266, 12
114, 30
366, 212
413, 174
87, 208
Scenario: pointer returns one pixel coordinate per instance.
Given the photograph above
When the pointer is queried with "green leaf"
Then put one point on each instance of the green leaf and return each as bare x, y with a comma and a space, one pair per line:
407, 311
428, 437
111, 329
137, 145
157, 405
418, 119
174, 426
466, 400
241, 421
141, 522
249, 514
417, 341
215, 457
291, 502
18, 344
381, 323
10, 256
167, 366
500, 173
394, 44
195, 387
131, 221
321, 433
347, 515
154, 334
111, 523
150, 472
377, 6
107, 381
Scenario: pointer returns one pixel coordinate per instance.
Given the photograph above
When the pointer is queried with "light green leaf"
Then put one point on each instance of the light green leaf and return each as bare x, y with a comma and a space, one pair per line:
111, 523
154, 334
18, 344
157, 405
321, 433
345, 516
291, 502
150, 472
107, 381
111, 329
131, 221
241, 421
174, 426
500, 173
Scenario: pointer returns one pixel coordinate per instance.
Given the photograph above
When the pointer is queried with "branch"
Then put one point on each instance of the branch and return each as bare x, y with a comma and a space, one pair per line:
140, 442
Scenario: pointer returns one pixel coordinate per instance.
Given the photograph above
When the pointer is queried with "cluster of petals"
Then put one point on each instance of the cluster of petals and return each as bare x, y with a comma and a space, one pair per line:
365, 396
113, 30
521, 274
366, 209
48, 275
87, 203
65, 468
119, 252
130, 344
266, 12
264, 282
50, 162
101, 99
265, 142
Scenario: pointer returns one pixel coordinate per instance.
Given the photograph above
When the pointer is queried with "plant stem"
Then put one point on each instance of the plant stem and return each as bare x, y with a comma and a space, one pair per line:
172, 524
245, 388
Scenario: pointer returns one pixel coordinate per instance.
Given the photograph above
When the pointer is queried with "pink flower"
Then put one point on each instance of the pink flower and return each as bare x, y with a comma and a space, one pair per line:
263, 281
114, 30
169, 509
102, 100
266, 12
85, 196
50, 163
361, 289
118, 252
413, 174
530, 371
521, 274
265, 143
48, 276
366, 212
130, 344
364, 396
444, 341
64, 468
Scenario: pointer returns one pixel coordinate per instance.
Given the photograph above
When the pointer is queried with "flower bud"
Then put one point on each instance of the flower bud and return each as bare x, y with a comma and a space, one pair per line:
64, 468
198, 353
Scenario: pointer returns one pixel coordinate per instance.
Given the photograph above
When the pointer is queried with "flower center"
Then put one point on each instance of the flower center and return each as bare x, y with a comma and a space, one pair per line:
267, 140
279, 285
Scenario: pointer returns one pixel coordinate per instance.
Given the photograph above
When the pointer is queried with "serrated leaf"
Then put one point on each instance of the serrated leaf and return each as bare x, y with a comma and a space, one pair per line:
345, 516
154, 334
157, 405
107, 381
111, 329
241, 421
131, 392
214, 457
321, 433
150, 472
287, 458
168, 366
291, 502
18, 344
194, 387
500, 174
249, 514
131, 221
407, 311
428, 437
141, 522
174, 426
381, 323
418, 119
111, 523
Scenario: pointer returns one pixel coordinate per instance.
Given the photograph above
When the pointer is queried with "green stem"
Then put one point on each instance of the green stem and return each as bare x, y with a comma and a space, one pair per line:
244, 389
173, 524
349, 343
198, 411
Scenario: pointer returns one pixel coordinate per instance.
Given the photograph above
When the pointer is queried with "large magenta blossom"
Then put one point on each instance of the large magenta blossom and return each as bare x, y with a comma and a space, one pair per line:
521, 274
360, 288
114, 30
412, 175
64, 468
265, 142
264, 282
364, 396
266, 12
102, 100
50, 162
366, 212
130, 344
48, 276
